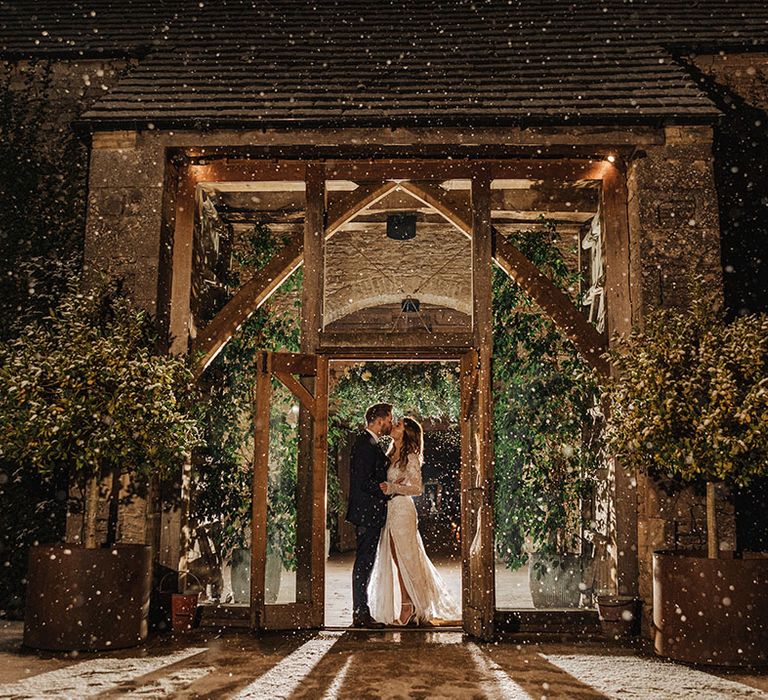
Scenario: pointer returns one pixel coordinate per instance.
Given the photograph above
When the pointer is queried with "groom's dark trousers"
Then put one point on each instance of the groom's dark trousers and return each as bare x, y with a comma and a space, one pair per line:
367, 509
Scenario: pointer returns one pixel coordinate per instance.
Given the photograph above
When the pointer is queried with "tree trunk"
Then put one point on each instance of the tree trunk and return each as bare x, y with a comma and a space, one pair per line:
114, 507
712, 543
91, 511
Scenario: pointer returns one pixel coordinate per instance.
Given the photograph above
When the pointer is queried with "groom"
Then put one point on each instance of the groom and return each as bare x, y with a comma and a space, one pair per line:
367, 508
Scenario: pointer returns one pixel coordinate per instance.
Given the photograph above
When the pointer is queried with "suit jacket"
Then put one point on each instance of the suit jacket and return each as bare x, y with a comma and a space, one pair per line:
368, 468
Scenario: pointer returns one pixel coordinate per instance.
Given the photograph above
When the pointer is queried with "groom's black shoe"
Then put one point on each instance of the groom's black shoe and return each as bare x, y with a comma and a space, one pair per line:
366, 622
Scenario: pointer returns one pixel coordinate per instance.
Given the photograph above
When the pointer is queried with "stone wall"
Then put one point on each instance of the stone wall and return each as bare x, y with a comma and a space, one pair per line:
674, 221
43, 176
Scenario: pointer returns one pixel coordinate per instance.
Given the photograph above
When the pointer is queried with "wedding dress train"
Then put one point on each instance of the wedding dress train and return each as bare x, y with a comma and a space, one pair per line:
428, 592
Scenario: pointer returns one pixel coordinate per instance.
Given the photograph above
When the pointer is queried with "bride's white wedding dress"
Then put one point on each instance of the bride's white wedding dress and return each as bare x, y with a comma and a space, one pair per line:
430, 596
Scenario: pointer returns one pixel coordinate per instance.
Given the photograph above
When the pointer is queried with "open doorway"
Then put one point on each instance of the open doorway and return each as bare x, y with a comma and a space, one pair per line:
430, 393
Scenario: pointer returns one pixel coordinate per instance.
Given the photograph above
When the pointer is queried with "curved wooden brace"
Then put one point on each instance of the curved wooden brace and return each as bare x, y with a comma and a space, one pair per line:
553, 301
248, 299
358, 200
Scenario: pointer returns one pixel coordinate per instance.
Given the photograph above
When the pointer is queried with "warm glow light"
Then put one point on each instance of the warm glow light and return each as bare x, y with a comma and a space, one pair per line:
611, 159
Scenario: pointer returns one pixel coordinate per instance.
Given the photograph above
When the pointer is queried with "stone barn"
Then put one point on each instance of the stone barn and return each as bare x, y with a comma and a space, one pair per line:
638, 127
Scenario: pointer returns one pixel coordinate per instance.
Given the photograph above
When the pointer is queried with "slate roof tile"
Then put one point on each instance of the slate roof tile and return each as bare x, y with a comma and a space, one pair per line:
253, 62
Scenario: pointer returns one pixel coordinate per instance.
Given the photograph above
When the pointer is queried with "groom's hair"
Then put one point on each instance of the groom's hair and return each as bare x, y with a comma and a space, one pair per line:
378, 410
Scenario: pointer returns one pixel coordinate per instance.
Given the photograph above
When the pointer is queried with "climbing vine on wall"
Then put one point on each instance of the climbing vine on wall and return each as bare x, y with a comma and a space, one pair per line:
547, 436
429, 390
224, 467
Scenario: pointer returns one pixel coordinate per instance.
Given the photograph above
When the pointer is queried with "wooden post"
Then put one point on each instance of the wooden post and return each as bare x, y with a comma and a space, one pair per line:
261, 400
181, 275
310, 524
319, 489
477, 471
712, 540
619, 303
312, 290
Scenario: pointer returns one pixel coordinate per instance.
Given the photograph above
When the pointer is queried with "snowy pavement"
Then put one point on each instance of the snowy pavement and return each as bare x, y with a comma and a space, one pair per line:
391, 664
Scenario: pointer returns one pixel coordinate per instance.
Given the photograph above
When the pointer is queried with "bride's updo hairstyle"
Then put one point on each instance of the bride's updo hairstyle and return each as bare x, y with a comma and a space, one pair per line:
413, 440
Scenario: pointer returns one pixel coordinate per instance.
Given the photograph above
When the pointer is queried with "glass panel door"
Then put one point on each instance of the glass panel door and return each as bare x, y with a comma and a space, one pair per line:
289, 483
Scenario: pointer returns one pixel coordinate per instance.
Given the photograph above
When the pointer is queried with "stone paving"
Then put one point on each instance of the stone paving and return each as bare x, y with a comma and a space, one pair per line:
360, 665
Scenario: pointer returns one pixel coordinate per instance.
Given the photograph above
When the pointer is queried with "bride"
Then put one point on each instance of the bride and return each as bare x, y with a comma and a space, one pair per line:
405, 587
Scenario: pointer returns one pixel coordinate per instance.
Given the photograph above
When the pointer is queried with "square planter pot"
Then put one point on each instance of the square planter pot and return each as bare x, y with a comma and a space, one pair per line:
87, 599
711, 611
619, 616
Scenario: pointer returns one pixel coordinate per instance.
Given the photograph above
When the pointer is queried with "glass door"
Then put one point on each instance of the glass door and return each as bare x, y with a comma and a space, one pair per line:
289, 487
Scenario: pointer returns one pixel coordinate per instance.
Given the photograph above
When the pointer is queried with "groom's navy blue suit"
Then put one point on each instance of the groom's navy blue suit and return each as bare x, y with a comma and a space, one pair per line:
367, 509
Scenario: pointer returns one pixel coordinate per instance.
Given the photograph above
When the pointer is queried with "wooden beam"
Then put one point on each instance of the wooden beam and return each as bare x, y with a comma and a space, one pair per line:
260, 480
477, 482
247, 170
252, 295
619, 314
319, 490
247, 300
554, 302
293, 385
435, 197
293, 363
313, 285
181, 273
618, 258
376, 339
562, 169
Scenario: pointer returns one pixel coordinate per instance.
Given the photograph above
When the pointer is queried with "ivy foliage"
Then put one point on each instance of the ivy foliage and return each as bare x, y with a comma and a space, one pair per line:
224, 465
547, 437
691, 401
428, 390
43, 178
83, 389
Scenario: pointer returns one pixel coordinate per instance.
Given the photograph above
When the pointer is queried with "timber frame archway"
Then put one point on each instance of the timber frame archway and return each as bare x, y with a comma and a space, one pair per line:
489, 247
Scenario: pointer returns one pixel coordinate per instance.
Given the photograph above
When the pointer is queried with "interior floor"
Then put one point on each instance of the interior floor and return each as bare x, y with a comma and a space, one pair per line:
512, 590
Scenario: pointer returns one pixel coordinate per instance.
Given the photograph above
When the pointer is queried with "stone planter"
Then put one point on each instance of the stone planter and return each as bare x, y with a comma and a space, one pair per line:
711, 611
555, 580
619, 616
241, 577
87, 599
240, 571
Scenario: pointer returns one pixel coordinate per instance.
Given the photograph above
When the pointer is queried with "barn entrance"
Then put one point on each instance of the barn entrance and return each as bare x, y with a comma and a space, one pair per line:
338, 222
430, 392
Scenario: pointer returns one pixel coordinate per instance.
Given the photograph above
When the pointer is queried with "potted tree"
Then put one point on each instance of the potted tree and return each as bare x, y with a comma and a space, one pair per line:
691, 404
84, 389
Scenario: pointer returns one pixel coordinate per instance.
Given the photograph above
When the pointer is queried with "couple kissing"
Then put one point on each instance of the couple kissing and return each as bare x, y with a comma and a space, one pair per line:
393, 581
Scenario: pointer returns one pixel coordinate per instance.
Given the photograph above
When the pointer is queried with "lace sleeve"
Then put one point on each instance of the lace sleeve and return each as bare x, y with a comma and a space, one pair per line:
411, 485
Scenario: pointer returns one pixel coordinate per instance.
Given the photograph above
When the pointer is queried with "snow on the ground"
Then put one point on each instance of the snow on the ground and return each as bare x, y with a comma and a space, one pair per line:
90, 677
633, 678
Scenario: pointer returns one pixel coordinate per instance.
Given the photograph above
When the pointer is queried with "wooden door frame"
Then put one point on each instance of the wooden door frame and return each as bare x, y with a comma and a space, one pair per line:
478, 603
